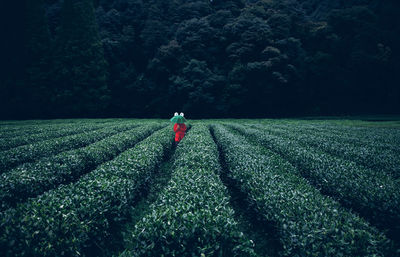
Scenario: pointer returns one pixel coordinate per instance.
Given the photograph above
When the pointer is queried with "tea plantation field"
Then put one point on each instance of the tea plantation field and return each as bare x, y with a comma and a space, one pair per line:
121, 187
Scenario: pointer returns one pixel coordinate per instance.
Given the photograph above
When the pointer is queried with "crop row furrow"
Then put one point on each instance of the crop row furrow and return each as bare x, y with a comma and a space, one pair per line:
360, 139
388, 136
77, 219
31, 130
192, 215
31, 152
32, 179
371, 157
22, 130
23, 139
309, 223
375, 195
14, 126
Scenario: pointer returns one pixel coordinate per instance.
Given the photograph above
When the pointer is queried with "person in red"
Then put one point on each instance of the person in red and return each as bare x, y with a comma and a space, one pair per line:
179, 127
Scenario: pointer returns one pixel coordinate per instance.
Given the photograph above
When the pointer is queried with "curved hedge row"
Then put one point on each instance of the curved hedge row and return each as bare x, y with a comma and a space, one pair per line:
363, 137
366, 135
32, 179
309, 223
375, 157
375, 195
348, 128
192, 215
61, 131
28, 153
76, 219
385, 135
19, 129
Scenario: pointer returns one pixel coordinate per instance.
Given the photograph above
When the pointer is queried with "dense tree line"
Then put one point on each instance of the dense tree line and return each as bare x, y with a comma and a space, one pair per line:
208, 58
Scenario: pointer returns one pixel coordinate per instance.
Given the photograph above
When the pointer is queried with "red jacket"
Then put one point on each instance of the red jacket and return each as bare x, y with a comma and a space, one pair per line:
179, 132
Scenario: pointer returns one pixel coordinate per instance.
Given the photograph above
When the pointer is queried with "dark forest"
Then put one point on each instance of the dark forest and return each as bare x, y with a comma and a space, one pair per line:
208, 59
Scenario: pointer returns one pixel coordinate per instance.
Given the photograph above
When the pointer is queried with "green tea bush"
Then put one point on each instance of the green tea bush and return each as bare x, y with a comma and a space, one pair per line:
376, 156
28, 153
309, 224
60, 131
32, 179
375, 195
192, 215
21, 130
387, 137
76, 219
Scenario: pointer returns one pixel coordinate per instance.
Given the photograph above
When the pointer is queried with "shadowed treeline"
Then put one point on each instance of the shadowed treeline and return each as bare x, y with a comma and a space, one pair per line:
212, 59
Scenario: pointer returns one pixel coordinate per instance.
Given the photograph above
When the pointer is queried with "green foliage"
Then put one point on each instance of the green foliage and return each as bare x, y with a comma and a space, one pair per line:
129, 58
73, 195
32, 179
77, 219
79, 67
37, 49
28, 153
192, 215
15, 139
372, 193
321, 227
371, 153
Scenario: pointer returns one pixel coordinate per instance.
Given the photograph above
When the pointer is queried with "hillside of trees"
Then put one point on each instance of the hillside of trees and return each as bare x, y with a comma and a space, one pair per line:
207, 58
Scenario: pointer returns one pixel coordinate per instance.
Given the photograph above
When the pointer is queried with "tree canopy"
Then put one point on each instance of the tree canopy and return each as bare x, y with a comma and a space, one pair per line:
220, 58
